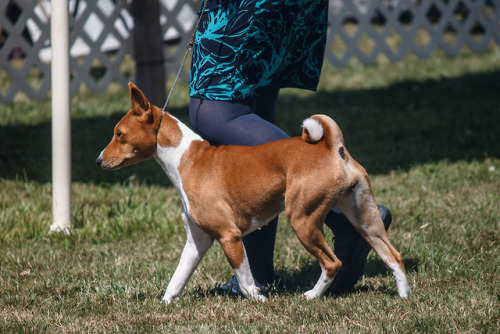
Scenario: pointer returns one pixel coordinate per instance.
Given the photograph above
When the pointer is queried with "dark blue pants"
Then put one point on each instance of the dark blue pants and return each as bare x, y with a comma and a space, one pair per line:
247, 123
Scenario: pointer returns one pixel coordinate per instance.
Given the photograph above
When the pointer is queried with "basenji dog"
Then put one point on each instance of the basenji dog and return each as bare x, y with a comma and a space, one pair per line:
228, 192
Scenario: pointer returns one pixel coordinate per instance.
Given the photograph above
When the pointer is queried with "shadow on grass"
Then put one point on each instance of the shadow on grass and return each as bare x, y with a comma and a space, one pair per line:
411, 123
26, 152
395, 127
305, 278
376, 267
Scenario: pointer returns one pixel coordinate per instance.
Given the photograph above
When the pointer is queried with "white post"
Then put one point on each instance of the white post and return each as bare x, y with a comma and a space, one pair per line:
61, 118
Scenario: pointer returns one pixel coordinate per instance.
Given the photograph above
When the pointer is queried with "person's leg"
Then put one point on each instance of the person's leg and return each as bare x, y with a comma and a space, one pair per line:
226, 123
260, 244
231, 123
265, 106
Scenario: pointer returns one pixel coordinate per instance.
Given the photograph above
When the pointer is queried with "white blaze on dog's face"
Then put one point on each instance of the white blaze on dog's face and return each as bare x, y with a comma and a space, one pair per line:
134, 138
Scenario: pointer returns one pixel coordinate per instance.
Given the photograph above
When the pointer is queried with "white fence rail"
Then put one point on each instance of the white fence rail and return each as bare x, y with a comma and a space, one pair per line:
100, 38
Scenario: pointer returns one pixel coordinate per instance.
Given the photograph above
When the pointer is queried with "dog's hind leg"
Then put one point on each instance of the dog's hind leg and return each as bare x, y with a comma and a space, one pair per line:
359, 206
197, 244
309, 230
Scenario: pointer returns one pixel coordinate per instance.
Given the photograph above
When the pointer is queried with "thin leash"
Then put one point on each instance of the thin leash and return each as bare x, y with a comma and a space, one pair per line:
189, 47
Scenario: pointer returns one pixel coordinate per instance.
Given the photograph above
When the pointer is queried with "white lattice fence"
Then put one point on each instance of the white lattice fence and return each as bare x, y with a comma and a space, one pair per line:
367, 29
99, 43
100, 36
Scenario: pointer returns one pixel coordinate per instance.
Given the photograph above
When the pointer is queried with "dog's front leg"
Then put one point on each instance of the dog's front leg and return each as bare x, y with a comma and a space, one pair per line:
197, 244
246, 281
237, 257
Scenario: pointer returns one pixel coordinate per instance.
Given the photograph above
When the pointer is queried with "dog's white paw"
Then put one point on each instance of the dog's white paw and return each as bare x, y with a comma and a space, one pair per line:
252, 291
311, 294
255, 294
404, 289
169, 299
401, 281
259, 297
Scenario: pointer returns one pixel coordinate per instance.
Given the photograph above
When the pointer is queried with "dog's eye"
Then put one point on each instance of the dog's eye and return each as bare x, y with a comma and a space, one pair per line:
118, 134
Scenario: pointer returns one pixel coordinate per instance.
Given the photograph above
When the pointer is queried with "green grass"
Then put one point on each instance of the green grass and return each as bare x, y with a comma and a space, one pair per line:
427, 132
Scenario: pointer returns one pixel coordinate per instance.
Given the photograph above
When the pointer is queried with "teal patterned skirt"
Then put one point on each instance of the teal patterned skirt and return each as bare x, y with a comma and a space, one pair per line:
242, 46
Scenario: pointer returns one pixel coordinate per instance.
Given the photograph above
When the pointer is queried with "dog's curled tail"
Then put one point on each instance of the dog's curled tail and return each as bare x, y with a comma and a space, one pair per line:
319, 127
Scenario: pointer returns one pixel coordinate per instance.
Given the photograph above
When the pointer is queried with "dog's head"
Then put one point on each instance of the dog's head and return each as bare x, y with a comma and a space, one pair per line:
134, 138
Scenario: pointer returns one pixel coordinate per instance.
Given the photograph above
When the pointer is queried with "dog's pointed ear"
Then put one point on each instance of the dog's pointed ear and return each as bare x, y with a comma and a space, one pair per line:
138, 99
140, 103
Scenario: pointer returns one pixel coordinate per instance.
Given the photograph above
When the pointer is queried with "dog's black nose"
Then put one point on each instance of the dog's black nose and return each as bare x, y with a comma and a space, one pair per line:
98, 161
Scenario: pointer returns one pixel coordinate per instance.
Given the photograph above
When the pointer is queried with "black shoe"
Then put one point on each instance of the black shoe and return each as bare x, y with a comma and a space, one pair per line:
231, 287
351, 249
